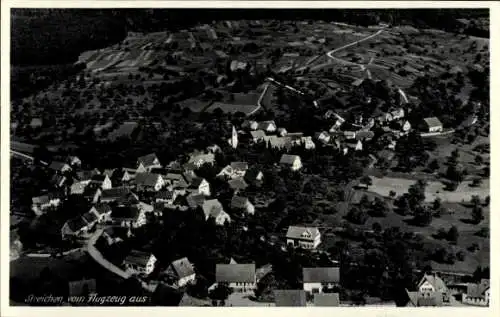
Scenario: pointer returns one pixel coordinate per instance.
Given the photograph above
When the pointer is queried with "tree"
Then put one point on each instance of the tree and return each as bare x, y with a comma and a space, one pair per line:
392, 194
376, 227
423, 216
478, 159
477, 182
452, 235
477, 214
487, 200
475, 200
434, 165
436, 205
356, 216
366, 180
378, 208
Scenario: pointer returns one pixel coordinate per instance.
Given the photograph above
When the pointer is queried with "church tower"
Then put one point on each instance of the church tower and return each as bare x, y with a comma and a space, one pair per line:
234, 138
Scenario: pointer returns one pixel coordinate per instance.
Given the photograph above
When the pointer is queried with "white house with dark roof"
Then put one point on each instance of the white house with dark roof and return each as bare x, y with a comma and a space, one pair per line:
432, 124
148, 182
239, 277
323, 137
77, 188
291, 161
478, 294
432, 284
199, 186
103, 181
59, 167
257, 135
118, 194
314, 279
139, 262
196, 160
42, 203
180, 272
304, 237
149, 161
212, 208
73, 161
234, 170
267, 126
102, 212
250, 125
243, 204
166, 196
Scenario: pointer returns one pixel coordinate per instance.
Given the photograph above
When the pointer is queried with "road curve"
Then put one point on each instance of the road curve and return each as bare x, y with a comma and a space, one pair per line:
97, 256
330, 53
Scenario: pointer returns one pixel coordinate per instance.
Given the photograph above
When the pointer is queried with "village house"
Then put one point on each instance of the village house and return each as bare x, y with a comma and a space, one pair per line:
109, 172
130, 216
120, 177
257, 136
291, 161
234, 170
431, 283
195, 200
199, 159
148, 182
478, 294
432, 124
93, 195
166, 196
180, 272
199, 186
75, 228
90, 218
114, 235
290, 298
349, 135
139, 262
355, 145
239, 277
176, 181
77, 188
323, 137
316, 278
326, 300
243, 204
58, 180
41, 204
36, 123
237, 184
397, 114
364, 135
102, 212
73, 161
59, 167
250, 125
102, 181
417, 299
303, 237
213, 209
282, 132
275, 142
120, 195
384, 118
254, 176
308, 143
85, 176
148, 161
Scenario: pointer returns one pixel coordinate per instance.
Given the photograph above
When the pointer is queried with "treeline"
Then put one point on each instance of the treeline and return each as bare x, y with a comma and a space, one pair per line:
49, 36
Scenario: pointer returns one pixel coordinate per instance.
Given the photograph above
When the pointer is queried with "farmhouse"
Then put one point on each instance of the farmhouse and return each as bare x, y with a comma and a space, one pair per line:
148, 182
240, 277
430, 285
129, 216
250, 125
416, 299
149, 161
323, 137
478, 294
254, 176
121, 195
166, 196
139, 262
432, 124
41, 203
257, 136
237, 184
92, 194
58, 180
59, 167
199, 186
73, 161
291, 161
102, 212
267, 126
234, 170
102, 181
242, 203
304, 237
180, 272
213, 209
75, 227
198, 159
316, 278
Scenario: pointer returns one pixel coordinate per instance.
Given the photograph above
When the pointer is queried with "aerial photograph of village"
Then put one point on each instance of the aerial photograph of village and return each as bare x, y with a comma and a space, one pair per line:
250, 157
